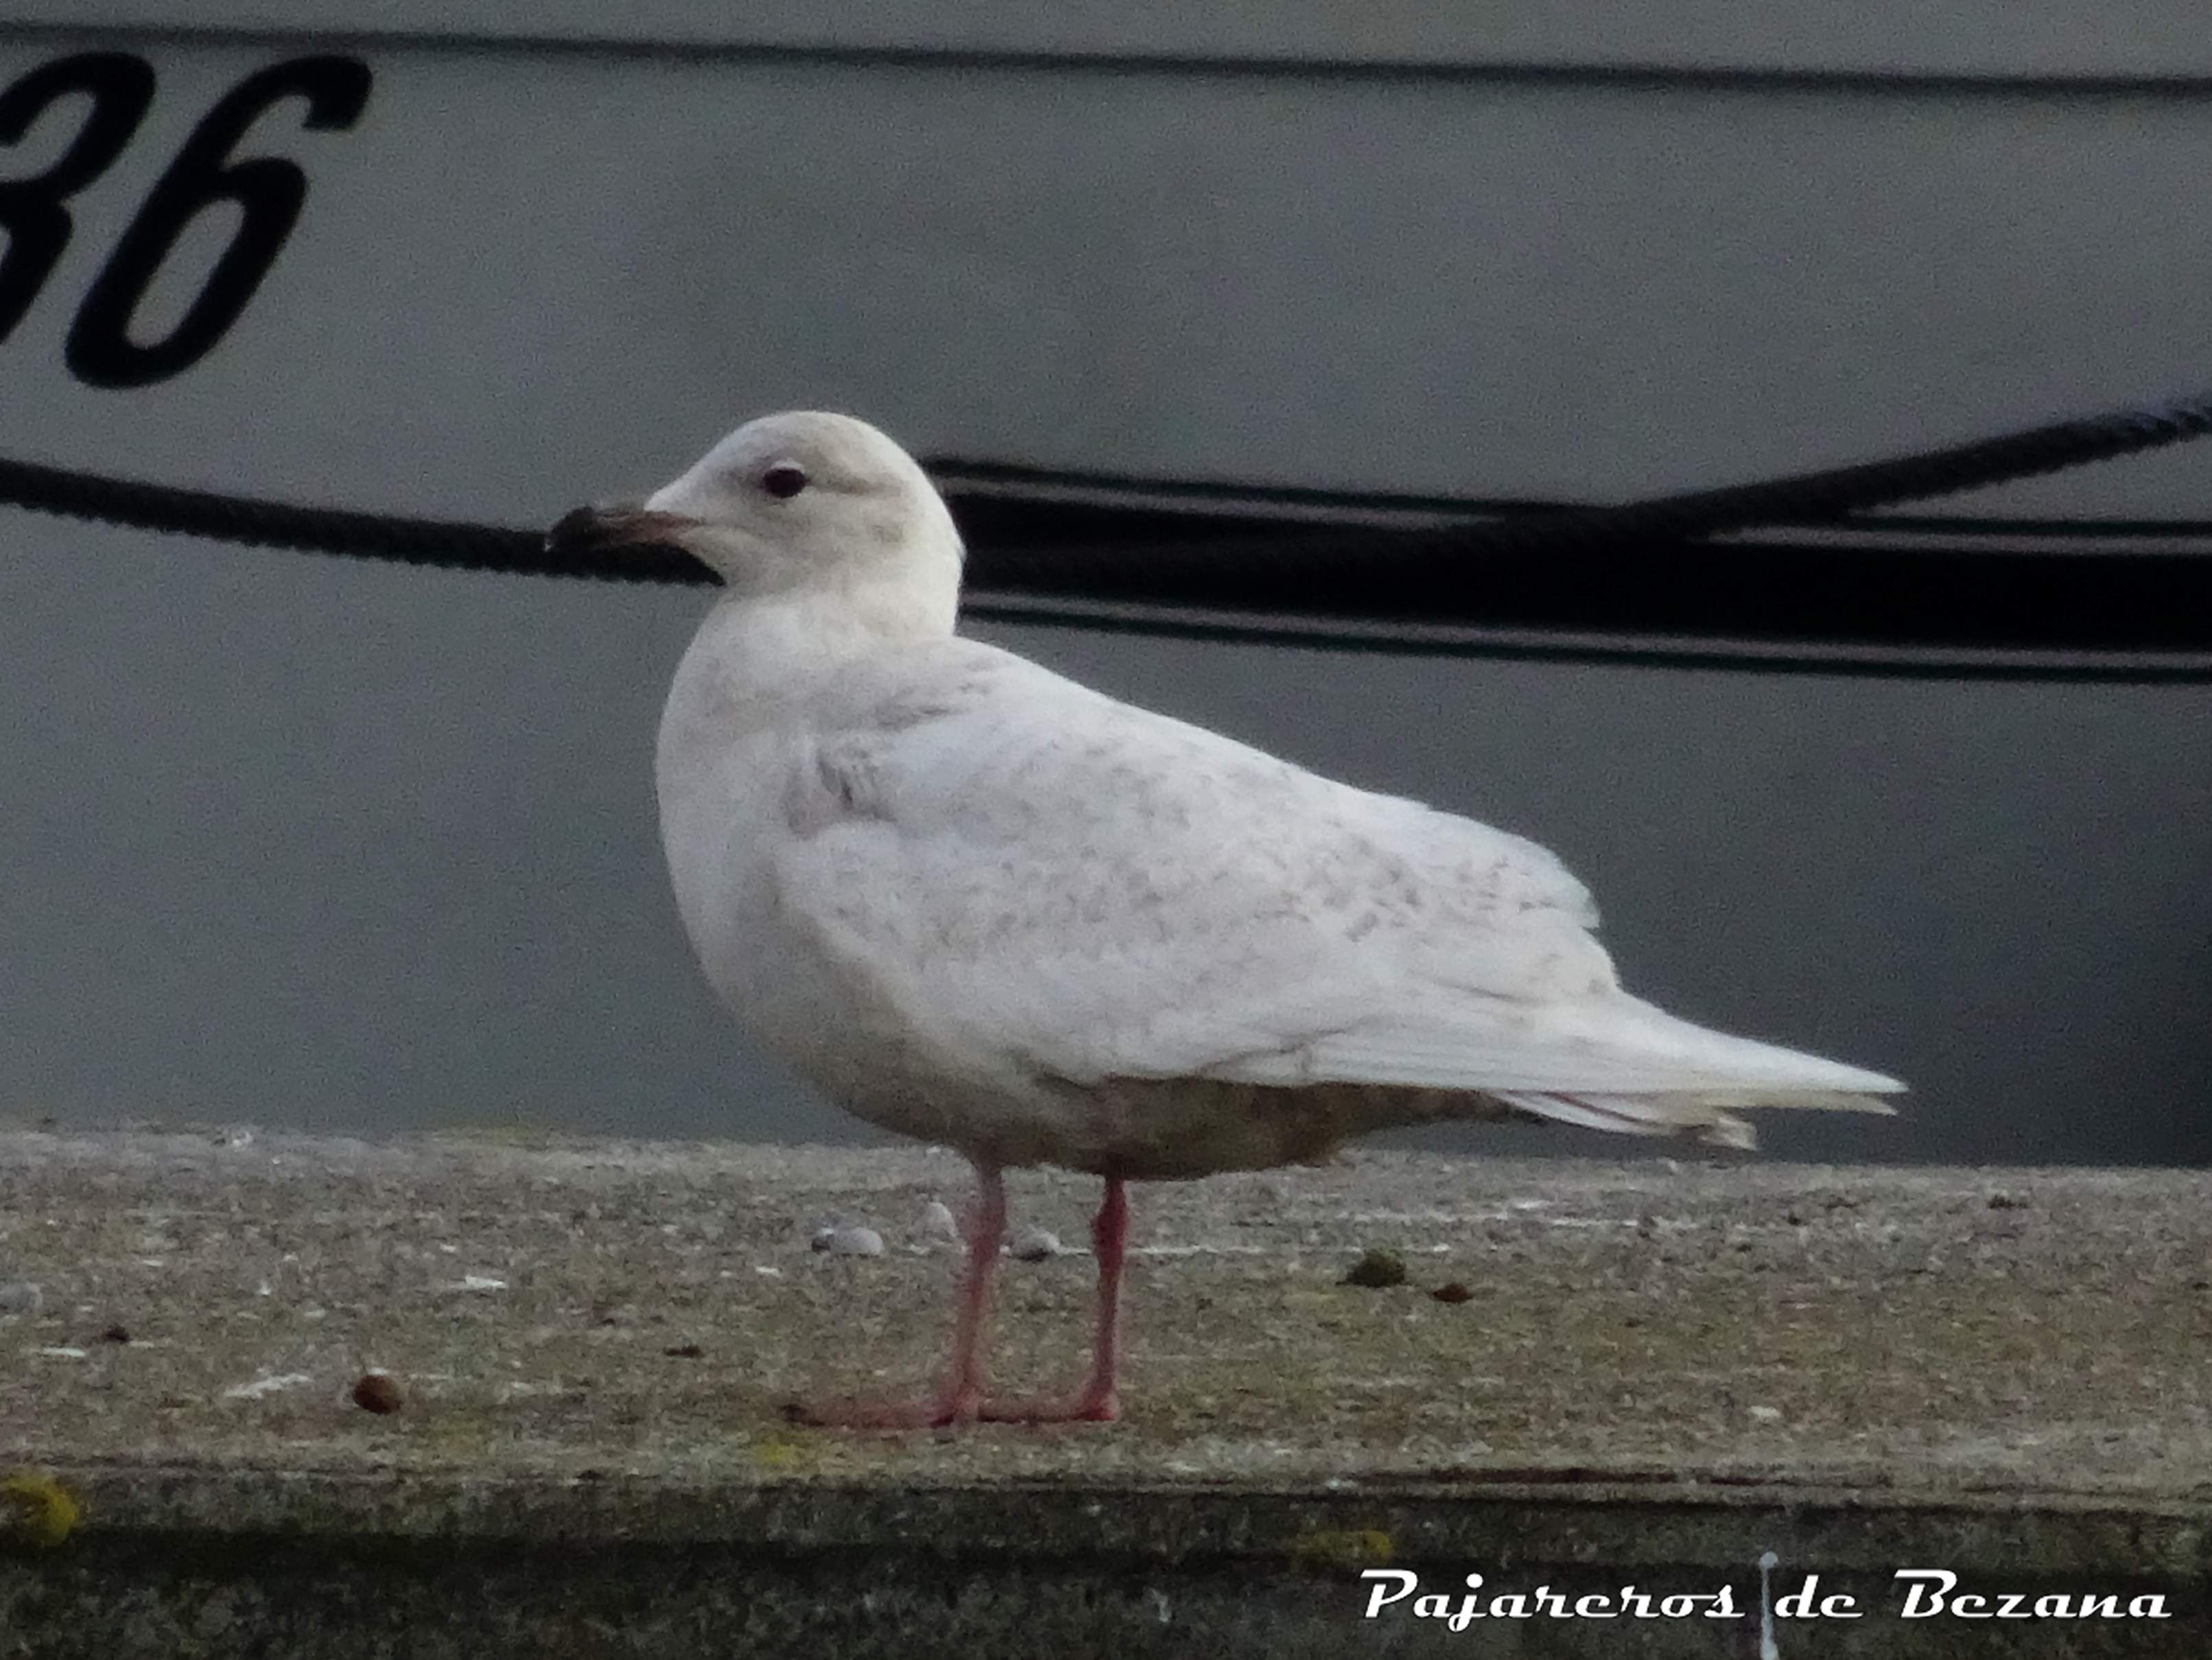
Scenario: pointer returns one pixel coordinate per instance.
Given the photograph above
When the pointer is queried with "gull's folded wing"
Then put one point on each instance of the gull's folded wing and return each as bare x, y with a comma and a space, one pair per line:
1037, 874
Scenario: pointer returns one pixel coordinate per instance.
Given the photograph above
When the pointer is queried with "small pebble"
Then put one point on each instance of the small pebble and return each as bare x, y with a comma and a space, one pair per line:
2007, 1201
21, 1297
1376, 1270
1033, 1244
685, 1352
1766, 1415
937, 1226
116, 1335
1453, 1292
849, 1242
380, 1392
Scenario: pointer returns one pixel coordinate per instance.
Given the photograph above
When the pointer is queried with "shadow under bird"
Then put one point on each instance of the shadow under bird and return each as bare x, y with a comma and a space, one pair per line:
978, 903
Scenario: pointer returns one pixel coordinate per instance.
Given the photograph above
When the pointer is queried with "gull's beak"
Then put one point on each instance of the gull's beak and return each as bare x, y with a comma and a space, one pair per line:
617, 526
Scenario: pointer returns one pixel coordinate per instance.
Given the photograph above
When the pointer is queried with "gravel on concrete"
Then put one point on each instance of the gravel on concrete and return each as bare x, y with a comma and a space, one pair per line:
1659, 1364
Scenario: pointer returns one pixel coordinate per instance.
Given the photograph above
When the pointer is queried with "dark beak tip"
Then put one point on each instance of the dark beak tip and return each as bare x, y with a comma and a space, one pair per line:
604, 530
576, 528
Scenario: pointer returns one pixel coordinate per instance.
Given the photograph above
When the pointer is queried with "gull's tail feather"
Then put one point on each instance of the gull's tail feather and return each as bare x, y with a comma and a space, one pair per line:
1616, 1056
1704, 1115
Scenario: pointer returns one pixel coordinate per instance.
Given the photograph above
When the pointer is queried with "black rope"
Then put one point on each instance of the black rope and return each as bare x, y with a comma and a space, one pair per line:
1321, 567
2133, 666
447, 544
1087, 550
1814, 497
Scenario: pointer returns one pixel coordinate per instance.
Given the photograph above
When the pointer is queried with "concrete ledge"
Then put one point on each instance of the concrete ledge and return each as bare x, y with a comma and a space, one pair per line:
1662, 1373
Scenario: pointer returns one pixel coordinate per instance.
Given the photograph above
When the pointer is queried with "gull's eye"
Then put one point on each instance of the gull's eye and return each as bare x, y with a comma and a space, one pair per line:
783, 481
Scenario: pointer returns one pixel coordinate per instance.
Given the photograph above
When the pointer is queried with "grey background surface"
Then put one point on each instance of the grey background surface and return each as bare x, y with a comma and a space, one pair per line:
2151, 38
291, 840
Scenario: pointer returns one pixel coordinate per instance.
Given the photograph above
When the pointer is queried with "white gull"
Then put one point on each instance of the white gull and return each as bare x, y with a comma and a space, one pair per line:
978, 903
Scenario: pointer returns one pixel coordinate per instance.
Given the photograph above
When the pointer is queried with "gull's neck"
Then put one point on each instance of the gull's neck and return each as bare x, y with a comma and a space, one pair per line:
755, 655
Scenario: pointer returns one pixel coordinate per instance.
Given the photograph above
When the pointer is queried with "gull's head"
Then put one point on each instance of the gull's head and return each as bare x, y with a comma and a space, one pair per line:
802, 503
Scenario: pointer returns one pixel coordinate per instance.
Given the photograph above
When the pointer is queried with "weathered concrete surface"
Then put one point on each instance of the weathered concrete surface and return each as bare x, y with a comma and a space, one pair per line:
1663, 1371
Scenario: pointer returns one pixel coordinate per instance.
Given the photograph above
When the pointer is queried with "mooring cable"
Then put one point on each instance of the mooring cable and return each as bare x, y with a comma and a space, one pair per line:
1439, 575
257, 523
1829, 495
1325, 567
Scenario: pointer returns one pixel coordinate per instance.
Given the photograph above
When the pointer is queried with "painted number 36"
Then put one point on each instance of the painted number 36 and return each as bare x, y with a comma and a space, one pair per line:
266, 191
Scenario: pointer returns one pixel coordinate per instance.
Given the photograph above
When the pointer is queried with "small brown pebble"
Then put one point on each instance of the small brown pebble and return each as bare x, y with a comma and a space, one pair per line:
685, 1352
380, 1392
1453, 1292
115, 1335
1378, 1270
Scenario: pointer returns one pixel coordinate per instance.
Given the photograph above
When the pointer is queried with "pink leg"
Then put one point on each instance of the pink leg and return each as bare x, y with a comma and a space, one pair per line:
1097, 1402
960, 1400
